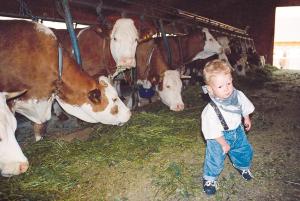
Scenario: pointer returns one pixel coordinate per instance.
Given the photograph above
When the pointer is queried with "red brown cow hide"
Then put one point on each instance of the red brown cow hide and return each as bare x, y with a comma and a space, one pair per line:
29, 60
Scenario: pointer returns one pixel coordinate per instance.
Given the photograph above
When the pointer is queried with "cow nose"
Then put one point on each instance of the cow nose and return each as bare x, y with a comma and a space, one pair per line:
178, 107
127, 61
23, 167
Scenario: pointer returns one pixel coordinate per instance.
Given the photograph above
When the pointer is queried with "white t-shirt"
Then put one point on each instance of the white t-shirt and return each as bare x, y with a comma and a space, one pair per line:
211, 125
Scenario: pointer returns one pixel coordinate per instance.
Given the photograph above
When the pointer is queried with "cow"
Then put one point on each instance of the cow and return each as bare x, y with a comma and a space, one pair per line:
153, 71
12, 159
29, 59
186, 50
97, 60
156, 68
234, 52
211, 47
109, 45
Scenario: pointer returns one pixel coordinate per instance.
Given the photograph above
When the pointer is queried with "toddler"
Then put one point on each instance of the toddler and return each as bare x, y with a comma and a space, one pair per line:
223, 121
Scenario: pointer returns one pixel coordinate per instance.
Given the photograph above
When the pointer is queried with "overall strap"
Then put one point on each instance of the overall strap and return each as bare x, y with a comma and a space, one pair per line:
220, 116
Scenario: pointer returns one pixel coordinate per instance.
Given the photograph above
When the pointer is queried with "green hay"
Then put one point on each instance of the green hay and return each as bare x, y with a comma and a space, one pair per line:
58, 167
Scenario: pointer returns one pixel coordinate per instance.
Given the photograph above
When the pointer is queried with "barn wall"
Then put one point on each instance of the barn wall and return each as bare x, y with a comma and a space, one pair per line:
257, 14
46, 9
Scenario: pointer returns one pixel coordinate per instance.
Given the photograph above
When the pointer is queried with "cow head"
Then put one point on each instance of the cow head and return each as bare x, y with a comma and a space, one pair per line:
98, 103
170, 90
241, 66
12, 159
224, 42
211, 44
123, 42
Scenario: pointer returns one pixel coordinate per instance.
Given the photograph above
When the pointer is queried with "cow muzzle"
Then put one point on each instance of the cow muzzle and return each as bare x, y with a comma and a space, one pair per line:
14, 169
127, 62
178, 107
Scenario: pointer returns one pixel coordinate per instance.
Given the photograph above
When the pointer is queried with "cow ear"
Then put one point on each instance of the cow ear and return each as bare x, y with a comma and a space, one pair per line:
98, 29
101, 32
103, 83
95, 96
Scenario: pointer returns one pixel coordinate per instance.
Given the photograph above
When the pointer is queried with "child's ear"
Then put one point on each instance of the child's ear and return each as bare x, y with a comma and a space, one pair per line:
209, 89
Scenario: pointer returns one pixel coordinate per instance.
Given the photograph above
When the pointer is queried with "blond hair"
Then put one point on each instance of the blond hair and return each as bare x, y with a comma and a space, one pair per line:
214, 68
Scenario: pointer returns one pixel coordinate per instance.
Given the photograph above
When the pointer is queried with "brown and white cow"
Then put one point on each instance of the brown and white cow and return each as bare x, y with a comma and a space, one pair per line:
29, 59
153, 70
104, 47
199, 44
12, 159
152, 65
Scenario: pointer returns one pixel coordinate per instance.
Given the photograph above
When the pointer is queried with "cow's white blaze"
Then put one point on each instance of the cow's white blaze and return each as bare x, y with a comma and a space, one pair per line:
171, 92
12, 159
85, 111
211, 46
123, 42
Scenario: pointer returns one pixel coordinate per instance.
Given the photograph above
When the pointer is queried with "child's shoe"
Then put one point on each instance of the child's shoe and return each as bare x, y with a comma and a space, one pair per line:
246, 174
209, 187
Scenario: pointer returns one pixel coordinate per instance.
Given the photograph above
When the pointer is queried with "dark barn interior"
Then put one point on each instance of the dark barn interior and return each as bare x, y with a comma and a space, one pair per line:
256, 16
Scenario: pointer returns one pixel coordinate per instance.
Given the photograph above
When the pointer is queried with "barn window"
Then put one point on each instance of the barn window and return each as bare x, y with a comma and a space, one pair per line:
51, 24
287, 38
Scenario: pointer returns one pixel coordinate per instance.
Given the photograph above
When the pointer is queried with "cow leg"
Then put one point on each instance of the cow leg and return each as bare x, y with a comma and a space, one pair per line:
117, 85
39, 130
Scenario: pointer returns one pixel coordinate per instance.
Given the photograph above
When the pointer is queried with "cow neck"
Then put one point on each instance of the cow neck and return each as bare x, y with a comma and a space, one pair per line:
181, 59
157, 68
190, 45
181, 43
186, 57
110, 67
148, 64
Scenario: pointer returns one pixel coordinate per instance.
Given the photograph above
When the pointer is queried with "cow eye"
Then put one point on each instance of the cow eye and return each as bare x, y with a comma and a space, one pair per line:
114, 99
95, 96
114, 38
168, 86
211, 40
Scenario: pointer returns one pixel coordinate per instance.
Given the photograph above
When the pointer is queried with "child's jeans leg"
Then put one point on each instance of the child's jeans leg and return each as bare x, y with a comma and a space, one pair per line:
241, 152
214, 160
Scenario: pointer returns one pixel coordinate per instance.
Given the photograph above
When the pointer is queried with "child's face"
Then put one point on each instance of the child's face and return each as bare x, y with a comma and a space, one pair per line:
221, 86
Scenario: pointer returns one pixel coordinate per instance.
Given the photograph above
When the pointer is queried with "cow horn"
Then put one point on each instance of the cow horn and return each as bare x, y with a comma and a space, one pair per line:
145, 38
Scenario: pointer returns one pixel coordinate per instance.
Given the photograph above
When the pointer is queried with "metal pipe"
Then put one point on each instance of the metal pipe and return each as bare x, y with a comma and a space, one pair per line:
172, 12
69, 23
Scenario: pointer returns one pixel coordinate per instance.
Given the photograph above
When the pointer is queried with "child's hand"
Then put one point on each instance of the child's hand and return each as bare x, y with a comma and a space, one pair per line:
225, 148
247, 123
